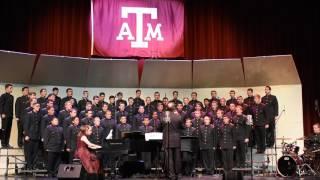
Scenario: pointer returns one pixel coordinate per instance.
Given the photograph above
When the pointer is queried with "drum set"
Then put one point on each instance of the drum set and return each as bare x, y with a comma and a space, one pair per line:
291, 163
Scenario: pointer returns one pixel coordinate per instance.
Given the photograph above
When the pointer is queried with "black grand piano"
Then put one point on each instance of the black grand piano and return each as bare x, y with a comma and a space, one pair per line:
125, 156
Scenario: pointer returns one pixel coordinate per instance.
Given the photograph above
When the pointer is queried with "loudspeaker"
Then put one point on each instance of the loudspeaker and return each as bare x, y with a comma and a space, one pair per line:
69, 171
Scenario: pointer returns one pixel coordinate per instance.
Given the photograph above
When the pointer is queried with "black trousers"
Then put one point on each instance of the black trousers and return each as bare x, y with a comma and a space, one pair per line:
54, 159
218, 158
240, 153
6, 126
188, 162
260, 136
270, 133
20, 132
207, 157
172, 162
31, 148
227, 158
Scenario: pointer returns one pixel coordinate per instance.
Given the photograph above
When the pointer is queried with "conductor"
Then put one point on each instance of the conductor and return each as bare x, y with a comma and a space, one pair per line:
171, 124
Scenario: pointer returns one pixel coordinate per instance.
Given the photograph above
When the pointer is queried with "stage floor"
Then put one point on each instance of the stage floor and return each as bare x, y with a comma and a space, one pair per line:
182, 178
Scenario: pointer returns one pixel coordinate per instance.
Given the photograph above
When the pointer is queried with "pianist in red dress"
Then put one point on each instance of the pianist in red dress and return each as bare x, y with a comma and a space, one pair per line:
89, 160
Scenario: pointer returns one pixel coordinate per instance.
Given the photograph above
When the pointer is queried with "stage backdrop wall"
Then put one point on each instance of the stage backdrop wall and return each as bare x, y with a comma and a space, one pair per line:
289, 97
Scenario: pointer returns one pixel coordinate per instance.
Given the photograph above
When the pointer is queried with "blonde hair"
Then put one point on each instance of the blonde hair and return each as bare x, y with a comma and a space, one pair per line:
83, 130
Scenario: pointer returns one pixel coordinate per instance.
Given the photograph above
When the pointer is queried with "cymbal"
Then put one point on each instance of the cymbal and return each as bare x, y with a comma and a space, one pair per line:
314, 151
283, 138
302, 138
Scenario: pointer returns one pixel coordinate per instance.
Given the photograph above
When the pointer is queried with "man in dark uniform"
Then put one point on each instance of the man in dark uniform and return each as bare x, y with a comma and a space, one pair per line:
44, 110
248, 101
22, 103
88, 107
208, 142
6, 113
260, 123
54, 145
64, 113
109, 124
148, 107
160, 109
71, 138
83, 102
227, 142
186, 107
218, 123
95, 104
312, 143
51, 97
112, 106
233, 98
155, 121
102, 112
43, 98
69, 92
121, 111
122, 127
101, 98
242, 132
197, 122
130, 110
188, 157
146, 156
46, 120
97, 135
138, 118
175, 99
223, 105
232, 111
146, 126
31, 128
194, 100
213, 110
206, 103
271, 103
88, 120
172, 126
214, 97
165, 102
120, 100
180, 110
57, 101
156, 100
138, 101
67, 122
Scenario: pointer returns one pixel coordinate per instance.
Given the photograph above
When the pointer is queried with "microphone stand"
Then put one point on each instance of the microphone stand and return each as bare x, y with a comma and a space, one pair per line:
275, 138
251, 148
167, 121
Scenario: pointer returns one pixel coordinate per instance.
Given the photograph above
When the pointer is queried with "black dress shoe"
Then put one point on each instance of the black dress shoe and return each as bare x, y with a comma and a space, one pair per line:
9, 146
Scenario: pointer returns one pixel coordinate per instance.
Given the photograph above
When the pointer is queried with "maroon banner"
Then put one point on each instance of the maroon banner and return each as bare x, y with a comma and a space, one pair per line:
137, 28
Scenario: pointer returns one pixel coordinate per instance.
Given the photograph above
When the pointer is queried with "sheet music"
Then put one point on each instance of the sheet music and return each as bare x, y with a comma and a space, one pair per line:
153, 136
110, 134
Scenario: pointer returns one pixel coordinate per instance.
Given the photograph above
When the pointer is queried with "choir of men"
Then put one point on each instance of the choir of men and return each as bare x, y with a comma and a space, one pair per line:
220, 126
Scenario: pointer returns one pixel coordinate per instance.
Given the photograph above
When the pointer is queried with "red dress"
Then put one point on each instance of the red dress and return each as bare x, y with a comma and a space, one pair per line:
89, 160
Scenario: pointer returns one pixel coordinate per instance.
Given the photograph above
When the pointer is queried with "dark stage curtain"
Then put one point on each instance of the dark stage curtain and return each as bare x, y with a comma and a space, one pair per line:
214, 29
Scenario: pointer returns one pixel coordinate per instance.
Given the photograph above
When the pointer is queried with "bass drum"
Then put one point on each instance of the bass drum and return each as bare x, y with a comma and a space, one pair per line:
287, 166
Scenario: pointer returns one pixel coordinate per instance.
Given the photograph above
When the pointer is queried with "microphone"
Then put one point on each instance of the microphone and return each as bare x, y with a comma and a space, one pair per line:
167, 118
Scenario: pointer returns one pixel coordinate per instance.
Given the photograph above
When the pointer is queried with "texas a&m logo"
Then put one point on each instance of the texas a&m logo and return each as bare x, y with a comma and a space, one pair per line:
140, 40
